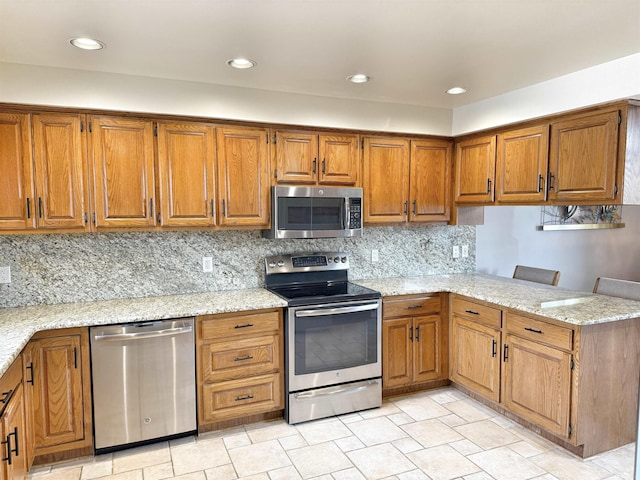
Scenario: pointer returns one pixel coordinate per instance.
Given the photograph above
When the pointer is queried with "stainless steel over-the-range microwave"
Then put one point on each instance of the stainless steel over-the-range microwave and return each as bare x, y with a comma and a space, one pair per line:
315, 212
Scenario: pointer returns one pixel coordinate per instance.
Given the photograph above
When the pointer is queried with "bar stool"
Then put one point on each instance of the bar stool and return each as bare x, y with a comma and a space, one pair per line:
538, 275
617, 288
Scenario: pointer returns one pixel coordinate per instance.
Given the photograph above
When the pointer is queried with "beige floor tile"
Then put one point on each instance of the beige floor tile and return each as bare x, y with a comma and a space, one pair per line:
400, 418
71, 473
387, 408
380, 461
259, 457
468, 409
446, 395
158, 472
452, 420
413, 475
566, 467
407, 445
349, 443
421, 407
182, 441
284, 473
223, 472
465, 447
431, 433
350, 418
205, 453
478, 476
548, 476
238, 440
323, 431
487, 434
348, 474
97, 469
504, 464
138, 458
258, 476
376, 431
442, 463
39, 470
619, 461
293, 441
321, 459
192, 476
129, 475
526, 449
265, 431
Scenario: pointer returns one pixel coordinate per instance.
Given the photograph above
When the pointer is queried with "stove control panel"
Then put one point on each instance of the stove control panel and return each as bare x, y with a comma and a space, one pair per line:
306, 262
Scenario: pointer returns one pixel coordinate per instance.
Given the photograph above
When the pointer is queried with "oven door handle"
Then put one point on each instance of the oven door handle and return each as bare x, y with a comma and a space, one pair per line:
335, 392
336, 311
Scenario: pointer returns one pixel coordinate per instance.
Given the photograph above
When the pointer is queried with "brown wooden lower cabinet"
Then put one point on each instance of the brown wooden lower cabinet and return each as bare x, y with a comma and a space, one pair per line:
13, 432
58, 392
414, 340
240, 364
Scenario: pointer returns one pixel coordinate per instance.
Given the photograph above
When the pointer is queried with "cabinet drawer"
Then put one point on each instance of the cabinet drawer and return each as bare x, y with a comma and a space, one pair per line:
240, 358
217, 326
9, 381
410, 306
539, 331
489, 316
239, 398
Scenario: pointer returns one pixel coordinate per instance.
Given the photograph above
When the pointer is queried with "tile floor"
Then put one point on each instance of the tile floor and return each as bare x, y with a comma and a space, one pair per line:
438, 435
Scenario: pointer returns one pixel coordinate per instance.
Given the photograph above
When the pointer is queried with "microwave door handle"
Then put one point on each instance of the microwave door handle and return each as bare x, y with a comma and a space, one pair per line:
345, 213
336, 311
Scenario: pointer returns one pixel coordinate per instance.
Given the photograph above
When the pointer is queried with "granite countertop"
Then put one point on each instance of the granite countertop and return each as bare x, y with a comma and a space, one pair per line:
17, 325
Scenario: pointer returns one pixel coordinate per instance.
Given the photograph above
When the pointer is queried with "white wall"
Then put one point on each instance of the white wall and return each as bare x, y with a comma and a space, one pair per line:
509, 237
78, 88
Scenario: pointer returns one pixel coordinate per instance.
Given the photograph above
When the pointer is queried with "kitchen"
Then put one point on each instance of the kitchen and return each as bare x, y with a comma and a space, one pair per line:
46, 268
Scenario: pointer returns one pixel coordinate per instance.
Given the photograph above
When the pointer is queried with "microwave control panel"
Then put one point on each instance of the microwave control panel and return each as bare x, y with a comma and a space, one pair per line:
355, 213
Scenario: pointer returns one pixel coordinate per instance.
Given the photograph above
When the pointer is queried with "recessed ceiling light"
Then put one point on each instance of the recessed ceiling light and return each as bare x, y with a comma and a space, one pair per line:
86, 43
456, 90
241, 63
359, 78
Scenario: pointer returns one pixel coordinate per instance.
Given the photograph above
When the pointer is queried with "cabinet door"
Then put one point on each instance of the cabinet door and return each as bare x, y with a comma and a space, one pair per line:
123, 172
55, 397
537, 383
14, 431
16, 173
521, 165
339, 164
397, 352
583, 158
430, 180
186, 174
428, 361
242, 175
475, 357
296, 158
60, 158
386, 180
475, 170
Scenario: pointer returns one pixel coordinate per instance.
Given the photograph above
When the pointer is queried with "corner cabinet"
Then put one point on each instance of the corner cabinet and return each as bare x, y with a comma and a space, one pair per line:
122, 162
243, 166
414, 340
240, 367
58, 392
307, 158
14, 461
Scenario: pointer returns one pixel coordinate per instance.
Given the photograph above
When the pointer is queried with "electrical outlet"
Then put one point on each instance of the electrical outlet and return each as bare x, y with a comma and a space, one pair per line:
374, 255
456, 251
207, 264
5, 274
465, 251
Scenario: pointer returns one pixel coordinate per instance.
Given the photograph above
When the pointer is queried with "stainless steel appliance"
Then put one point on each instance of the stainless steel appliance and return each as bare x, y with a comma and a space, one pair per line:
332, 336
143, 382
315, 212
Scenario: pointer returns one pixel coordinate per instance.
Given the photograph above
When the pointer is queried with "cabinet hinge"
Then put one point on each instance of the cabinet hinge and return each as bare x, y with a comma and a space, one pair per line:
615, 191
267, 135
570, 429
573, 364
90, 128
155, 130
81, 127
619, 118
362, 144
275, 173
275, 139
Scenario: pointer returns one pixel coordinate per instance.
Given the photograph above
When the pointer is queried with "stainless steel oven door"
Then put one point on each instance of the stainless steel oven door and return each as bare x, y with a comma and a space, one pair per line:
333, 343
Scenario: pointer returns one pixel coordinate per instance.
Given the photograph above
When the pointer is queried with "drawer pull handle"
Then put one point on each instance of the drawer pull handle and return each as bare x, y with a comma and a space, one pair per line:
240, 359
472, 312
245, 397
413, 307
246, 325
532, 330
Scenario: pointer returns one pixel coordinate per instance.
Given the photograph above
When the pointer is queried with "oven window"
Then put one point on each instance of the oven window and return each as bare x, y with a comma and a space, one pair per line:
334, 342
305, 213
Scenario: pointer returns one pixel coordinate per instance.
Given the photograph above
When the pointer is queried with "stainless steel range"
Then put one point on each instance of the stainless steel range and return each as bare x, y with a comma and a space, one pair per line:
332, 336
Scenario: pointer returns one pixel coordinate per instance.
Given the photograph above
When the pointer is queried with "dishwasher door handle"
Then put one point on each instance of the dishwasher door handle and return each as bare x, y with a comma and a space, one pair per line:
140, 335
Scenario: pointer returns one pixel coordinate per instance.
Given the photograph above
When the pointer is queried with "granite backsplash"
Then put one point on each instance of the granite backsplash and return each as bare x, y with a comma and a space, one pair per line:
63, 268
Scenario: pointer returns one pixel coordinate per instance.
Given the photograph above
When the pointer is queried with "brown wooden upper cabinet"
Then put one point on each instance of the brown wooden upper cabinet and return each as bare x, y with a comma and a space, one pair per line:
475, 170
303, 158
50, 192
583, 158
243, 166
406, 181
187, 174
521, 165
122, 161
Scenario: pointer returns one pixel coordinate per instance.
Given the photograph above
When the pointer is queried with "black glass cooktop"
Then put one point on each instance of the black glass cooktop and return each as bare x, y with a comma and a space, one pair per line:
314, 294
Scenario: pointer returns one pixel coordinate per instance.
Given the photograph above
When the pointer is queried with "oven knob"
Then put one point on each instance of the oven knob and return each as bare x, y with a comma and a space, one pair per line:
329, 259
343, 259
272, 265
336, 259
281, 263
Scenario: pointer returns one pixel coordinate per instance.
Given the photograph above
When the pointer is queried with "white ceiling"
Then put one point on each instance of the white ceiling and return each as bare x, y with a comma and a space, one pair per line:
414, 49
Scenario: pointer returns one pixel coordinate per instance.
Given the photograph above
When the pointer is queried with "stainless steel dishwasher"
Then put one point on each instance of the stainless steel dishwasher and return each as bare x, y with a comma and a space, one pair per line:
143, 378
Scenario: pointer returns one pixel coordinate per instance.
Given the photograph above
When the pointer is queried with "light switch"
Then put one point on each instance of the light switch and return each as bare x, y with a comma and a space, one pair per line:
374, 255
465, 251
207, 264
5, 274
456, 251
